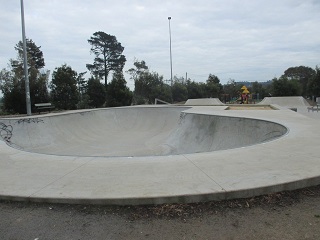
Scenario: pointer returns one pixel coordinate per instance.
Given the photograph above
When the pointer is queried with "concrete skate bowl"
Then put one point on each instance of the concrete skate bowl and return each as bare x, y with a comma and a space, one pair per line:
137, 132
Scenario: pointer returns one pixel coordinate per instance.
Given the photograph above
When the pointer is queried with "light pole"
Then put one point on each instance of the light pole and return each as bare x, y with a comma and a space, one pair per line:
25, 63
169, 18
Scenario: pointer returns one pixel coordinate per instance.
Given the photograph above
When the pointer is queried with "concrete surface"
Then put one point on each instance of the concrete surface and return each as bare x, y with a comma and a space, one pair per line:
196, 173
288, 102
204, 101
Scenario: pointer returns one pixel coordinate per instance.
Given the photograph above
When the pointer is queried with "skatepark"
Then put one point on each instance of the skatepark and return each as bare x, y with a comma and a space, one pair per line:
200, 151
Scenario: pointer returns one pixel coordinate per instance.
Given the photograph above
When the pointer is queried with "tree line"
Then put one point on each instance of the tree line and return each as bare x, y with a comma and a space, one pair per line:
69, 89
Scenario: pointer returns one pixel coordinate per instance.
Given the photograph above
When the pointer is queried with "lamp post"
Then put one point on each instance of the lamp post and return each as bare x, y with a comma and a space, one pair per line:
169, 18
25, 63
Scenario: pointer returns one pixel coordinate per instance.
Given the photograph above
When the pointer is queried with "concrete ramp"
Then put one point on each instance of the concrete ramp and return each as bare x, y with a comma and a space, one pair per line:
137, 131
204, 102
289, 102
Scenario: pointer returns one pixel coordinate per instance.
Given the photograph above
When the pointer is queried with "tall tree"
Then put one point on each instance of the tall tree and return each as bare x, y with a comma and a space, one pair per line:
64, 87
118, 94
179, 92
213, 87
285, 87
302, 74
82, 87
314, 83
13, 90
195, 89
259, 91
13, 81
96, 92
148, 85
140, 68
34, 55
231, 90
108, 55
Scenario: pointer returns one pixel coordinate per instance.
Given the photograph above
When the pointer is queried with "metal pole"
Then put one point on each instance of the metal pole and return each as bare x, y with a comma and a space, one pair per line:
169, 18
25, 63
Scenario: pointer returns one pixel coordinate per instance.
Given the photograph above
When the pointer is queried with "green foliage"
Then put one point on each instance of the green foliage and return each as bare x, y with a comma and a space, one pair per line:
82, 88
163, 92
13, 83
96, 92
34, 55
38, 83
81, 83
195, 90
14, 91
302, 74
179, 92
231, 90
7, 80
64, 87
285, 87
15, 99
83, 102
140, 68
258, 90
148, 85
213, 87
118, 94
108, 55
314, 83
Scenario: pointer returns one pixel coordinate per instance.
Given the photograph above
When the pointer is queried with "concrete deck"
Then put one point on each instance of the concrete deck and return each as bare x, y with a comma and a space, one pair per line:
288, 162
204, 101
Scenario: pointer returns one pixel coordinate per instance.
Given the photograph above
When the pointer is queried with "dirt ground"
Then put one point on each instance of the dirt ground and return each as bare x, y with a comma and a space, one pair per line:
285, 215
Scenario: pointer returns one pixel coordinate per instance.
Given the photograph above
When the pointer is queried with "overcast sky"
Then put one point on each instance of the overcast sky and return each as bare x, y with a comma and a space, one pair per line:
244, 40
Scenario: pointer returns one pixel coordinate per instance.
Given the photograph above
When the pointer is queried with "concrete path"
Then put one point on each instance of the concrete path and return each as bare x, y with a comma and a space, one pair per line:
288, 162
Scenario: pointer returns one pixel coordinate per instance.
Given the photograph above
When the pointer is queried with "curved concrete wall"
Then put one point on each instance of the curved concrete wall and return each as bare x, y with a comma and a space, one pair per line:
136, 131
205, 133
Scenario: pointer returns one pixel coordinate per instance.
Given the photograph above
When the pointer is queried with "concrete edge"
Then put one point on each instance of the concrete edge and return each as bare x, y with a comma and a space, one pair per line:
184, 199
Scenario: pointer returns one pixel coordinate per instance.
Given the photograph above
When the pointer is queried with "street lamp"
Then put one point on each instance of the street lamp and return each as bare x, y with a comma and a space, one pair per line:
25, 63
169, 18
